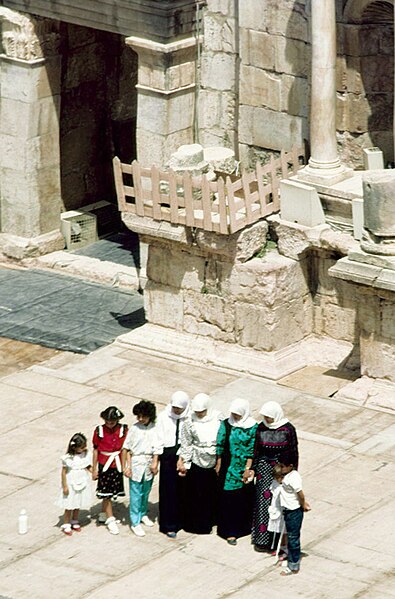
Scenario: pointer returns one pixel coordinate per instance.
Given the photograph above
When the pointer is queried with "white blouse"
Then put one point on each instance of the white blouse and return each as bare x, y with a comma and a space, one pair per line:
199, 442
167, 429
143, 443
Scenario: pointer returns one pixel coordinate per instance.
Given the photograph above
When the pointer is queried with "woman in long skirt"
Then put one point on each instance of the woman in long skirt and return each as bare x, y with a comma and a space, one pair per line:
171, 486
235, 446
275, 437
197, 459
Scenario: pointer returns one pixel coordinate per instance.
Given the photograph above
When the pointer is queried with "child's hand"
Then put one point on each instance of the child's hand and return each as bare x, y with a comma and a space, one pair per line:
128, 472
95, 474
154, 469
306, 506
65, 490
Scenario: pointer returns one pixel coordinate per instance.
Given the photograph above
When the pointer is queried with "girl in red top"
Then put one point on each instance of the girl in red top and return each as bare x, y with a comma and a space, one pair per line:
108, 440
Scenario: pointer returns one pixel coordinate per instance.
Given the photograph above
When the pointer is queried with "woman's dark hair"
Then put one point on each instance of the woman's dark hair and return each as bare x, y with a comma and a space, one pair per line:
145, 408
111, 413
77, 441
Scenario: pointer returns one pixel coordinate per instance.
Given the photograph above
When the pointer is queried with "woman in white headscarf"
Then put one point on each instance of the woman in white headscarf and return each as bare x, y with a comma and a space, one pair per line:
275, 438
235, 446
197, 459
171, 486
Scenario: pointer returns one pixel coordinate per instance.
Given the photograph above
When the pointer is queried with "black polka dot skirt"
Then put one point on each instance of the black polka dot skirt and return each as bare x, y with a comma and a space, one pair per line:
109, 484
264, 477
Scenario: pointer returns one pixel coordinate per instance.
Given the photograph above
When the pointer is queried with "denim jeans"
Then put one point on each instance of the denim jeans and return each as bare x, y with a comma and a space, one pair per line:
293, 523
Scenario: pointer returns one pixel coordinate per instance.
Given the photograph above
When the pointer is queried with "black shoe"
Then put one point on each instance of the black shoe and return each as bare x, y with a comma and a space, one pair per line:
261, 549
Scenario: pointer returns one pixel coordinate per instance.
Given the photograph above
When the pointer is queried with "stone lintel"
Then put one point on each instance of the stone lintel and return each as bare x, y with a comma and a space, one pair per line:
155, 91
141, 44
365, 274
28, 63
155, 229
381, 261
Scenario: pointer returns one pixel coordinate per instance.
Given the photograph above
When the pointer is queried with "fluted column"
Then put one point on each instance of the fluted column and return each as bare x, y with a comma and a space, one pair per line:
324, 165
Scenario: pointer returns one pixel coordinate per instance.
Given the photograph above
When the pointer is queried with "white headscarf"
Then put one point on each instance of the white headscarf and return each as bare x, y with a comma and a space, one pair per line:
179, 399
202, 402
242, 408
272, 409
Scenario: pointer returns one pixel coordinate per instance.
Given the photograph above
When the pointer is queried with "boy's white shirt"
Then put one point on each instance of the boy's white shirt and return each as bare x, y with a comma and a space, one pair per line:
143, 443
291, 485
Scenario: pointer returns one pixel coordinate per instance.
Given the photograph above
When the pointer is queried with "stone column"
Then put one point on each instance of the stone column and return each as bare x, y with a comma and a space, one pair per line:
324, 165
30, 202
166, 97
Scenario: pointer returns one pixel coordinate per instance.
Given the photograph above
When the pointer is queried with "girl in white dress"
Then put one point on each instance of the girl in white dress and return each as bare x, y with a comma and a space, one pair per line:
76, 490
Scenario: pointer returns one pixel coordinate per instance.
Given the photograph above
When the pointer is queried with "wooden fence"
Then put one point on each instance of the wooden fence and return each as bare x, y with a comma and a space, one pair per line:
225, 206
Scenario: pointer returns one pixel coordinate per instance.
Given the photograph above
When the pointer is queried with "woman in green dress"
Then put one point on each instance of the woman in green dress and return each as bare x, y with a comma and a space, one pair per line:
235, 445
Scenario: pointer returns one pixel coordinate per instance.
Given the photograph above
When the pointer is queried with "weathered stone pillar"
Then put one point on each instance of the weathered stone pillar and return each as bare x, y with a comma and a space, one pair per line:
166, 97
30, 201
324, 165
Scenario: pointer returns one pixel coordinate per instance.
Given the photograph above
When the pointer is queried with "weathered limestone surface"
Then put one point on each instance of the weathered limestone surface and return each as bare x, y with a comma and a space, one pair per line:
379, 212
30, 201
166, 91
261, 303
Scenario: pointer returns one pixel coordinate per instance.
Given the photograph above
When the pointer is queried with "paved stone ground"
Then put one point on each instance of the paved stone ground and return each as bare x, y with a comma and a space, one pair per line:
347, 462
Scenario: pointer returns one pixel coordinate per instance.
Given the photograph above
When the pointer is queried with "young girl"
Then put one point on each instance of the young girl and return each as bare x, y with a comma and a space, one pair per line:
76, 490
294, 505
108, 440
276, 519
140, 463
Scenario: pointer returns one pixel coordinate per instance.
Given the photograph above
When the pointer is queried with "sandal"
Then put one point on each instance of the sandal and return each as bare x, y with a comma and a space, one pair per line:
75, 525
66, 529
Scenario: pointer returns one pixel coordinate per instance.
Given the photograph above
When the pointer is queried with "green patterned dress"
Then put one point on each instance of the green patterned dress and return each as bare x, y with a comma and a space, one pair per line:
235, 445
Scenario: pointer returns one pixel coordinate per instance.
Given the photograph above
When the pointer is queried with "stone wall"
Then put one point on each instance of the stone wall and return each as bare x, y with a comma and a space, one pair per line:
334, 305
263, 303
365, 86
98, 112
263, 56
255, 87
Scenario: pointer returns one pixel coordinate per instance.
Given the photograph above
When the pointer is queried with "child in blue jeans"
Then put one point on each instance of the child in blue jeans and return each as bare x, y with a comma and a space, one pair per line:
140, 463
294, 505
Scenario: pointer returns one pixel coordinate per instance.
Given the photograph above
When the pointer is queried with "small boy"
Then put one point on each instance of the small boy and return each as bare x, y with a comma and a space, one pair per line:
294, 505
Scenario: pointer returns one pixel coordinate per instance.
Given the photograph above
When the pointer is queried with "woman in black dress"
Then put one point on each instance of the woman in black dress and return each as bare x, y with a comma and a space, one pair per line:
171, 486
275, 437
197, 459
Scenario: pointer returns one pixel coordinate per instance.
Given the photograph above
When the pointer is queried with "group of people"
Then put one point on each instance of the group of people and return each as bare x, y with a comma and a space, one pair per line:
207, 468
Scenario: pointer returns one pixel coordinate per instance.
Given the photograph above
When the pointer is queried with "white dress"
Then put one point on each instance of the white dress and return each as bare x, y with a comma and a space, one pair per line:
78, 482
276, 518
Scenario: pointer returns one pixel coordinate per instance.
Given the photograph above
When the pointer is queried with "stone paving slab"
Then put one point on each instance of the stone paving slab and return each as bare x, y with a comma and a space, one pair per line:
347, 463
56, 310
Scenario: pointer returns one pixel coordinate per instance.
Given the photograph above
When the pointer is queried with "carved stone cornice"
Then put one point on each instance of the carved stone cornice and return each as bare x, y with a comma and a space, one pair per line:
26, 37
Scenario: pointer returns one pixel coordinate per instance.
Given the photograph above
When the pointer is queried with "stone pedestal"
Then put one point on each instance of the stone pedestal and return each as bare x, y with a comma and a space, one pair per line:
30, 201
379, 212
166, 97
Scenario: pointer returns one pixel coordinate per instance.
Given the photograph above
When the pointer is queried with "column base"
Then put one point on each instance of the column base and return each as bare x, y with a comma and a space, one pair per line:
324, 176
18, 248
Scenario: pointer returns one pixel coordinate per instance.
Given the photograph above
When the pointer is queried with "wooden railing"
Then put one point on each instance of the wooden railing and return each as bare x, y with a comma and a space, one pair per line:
225, 206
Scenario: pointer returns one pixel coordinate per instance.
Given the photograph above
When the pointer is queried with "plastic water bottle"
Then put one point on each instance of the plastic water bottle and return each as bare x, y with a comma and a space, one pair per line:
22, 522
